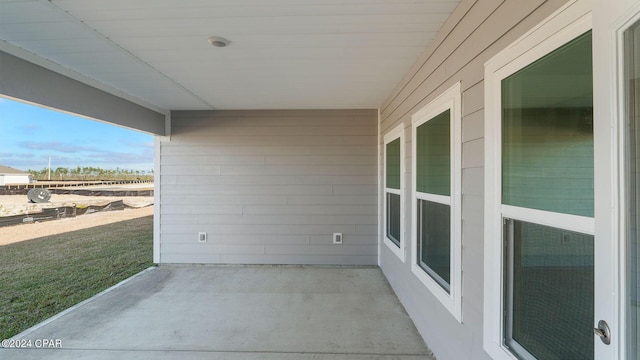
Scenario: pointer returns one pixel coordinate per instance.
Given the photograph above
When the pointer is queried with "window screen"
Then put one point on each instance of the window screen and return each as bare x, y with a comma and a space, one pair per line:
434, 240
393, 218
550, 296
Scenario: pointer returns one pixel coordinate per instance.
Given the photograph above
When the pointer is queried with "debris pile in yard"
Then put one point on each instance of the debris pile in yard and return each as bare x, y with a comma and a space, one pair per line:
59, 213
39, 195
16, 209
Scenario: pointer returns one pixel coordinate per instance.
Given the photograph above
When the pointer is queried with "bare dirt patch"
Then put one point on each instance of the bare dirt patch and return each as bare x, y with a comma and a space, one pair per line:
20, 205
12, 234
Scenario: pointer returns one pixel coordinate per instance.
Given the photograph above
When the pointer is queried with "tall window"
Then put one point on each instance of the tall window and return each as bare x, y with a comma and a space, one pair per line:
433, 196
540, 201
393, 191
436, 198
547, 165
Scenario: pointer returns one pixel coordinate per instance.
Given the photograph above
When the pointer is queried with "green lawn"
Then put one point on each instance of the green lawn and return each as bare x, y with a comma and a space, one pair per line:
41, 277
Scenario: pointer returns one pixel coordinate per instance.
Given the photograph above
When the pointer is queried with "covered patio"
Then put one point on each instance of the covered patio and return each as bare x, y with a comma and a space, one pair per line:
235, 312
400, 141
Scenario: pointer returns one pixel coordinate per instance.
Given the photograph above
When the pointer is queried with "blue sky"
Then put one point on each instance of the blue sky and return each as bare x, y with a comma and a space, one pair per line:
29, 135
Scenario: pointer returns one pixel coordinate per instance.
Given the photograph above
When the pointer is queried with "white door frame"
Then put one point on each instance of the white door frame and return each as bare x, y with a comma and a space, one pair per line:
614, 18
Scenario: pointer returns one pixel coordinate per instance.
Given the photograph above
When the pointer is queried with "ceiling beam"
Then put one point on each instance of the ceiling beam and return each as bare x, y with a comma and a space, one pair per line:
25, 81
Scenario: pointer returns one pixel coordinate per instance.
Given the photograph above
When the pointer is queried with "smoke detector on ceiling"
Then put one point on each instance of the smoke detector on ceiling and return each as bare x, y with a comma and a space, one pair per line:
218, 41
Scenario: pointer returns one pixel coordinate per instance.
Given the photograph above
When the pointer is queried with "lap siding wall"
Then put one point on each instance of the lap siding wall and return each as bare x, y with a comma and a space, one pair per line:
270, 187
475, 32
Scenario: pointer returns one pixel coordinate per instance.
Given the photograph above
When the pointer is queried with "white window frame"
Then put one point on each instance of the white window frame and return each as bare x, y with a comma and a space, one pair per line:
451, 100
569, 22
396, 133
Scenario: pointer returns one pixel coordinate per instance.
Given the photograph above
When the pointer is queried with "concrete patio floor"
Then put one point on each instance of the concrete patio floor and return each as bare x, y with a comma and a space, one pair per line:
236, 312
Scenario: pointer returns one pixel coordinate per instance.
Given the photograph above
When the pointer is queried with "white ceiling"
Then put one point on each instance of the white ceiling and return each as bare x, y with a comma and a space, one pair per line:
284, 54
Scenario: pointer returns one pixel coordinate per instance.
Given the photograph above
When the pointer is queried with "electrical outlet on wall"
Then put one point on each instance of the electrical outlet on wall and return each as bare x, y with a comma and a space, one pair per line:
202, 237
337, 238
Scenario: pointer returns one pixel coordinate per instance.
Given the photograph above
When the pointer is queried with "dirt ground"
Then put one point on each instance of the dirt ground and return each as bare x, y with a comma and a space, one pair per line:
19, 204
16, 233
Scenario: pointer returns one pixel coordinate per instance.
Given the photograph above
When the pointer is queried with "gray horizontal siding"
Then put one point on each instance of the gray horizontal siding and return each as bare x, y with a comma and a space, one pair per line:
270, 187
191, 229
275, 139
258, 130
474, 33
170, 209
248, 189
265, 150
272, 219
270, 259
269, 239
271, 180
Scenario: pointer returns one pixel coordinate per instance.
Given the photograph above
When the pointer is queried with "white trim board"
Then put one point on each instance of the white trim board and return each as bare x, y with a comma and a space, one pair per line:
613, 20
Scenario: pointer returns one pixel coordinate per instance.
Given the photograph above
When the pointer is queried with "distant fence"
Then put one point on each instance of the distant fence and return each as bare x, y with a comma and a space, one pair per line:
87, 192
62, 187
60, 212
